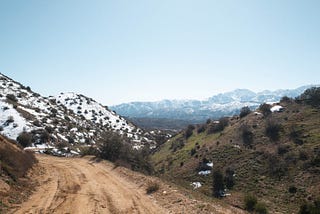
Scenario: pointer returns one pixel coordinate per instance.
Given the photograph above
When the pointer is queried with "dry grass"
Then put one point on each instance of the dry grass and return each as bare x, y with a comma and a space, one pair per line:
14, 161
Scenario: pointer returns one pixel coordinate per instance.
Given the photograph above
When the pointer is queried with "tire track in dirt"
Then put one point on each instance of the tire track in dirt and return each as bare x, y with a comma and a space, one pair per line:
75, 185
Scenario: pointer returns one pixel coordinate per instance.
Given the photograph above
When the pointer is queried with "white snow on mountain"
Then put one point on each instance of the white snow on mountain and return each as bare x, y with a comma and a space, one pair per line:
68, 117
223, 104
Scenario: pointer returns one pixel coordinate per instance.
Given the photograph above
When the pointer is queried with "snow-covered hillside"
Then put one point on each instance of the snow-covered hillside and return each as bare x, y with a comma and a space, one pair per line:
66, 118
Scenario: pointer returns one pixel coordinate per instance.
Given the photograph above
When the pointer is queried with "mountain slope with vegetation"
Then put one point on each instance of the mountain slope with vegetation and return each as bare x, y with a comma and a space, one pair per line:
65, 121
272, 157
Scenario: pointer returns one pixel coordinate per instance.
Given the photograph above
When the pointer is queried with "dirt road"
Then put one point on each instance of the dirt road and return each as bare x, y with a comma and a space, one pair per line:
76, 185
81, 185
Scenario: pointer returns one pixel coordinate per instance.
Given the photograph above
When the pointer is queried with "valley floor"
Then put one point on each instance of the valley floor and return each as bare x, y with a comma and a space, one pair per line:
82, 185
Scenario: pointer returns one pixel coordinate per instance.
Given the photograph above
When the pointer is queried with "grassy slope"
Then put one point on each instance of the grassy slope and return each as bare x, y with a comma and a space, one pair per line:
260, 170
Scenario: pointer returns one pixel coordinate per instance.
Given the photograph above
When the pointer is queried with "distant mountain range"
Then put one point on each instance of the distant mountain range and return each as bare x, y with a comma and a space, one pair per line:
223, 104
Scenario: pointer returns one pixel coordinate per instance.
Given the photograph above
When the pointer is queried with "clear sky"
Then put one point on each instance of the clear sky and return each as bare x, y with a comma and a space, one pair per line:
136, 50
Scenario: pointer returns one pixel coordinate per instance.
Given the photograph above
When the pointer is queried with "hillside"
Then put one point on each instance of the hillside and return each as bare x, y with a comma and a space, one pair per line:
198, 111
67, 119
14, 166
273, 156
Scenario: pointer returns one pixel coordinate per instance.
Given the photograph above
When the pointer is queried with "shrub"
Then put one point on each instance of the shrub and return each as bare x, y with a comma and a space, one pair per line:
265, 109
244, 111
273, 130
229, 179
113, 148
110, 146
49, 129
188, 133
217, 184
310, 208
311, 97
218, 127
286, 99
250, 202
193, 151
9, 120
295, 136
152, 187
24, 139
292, 189
201, 129
247, 136
90, 150
176, 145
61, 145
276, 166
36, 123
303, 155
11, 97
282, 149
260, 208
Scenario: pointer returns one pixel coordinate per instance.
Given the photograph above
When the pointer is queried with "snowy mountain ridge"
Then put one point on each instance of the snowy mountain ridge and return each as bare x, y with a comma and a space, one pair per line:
66, 118
223, 104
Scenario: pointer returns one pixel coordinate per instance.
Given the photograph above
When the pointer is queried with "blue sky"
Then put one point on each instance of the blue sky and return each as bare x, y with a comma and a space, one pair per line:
123, 50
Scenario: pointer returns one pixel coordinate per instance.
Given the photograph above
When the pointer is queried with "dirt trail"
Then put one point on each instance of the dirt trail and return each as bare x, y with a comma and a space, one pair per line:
76, 185
80, 185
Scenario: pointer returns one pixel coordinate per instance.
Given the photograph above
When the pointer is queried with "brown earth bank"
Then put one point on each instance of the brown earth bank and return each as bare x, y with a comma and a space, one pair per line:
84, 185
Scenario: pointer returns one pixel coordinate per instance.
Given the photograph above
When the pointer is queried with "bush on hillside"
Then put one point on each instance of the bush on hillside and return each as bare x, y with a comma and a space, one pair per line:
295, 136
24, 139
115, 149
273, 130
244, 111
260, 208
189, 131
265, 109
310, 208
201, 129
229, 178
152, 187
311, 97
247, 136
110, 147
176, 145
286, 99
217, 184
250, 202
219, 126
276, 167
282, 149
11, 97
